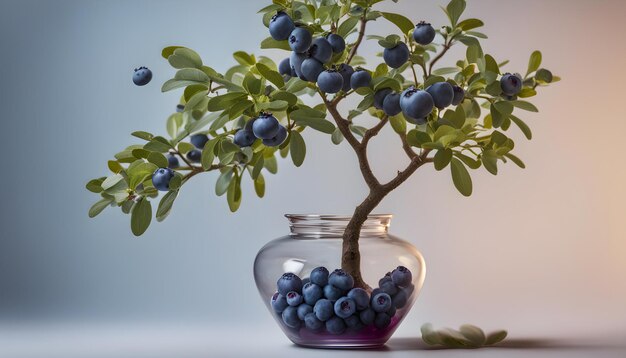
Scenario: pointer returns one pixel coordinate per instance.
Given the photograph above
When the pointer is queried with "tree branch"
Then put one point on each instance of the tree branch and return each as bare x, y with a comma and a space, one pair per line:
358, 40
402, 176
446, 47
406, 147
372, 132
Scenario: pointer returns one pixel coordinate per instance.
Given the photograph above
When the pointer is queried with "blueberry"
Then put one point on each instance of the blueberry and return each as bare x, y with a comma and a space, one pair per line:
423, 33
391, 104
142, 76
345, 307
295, 61
244, 138
381, 302
442, 93
180, 108
375, 292
321, 50
311, 293
303, 310
353, 323
401, 276
265, 126
379, 97
279, 303
400, 299
391, 311
319, 276
396, 56
389, 287
323, 309
289, 282
281, 26
294, 298
277, 139
199, 140
161, 178
300, 40
387, 277
416, 104
360, 297
172, 161
311, 69
248, 125
337, 43
511, 84
346, 72
312, 323
284, 67
360, 78
335, 325
367, 316
459, 95
290, 317
194, 156
330, 81
341, 279
381, 321
332, 293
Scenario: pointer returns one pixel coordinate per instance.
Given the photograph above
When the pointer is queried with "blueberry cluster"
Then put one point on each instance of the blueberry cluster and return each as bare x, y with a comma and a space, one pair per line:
330, 302
265, 127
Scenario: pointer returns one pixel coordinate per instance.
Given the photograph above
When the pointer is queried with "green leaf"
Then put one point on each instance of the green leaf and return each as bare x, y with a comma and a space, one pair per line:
271, 75
258, 166
157, 159
184, 58
312, 118
445, 71
297, 147
473, 334
271, 43
140, 217
138, 172
495, 337
470, 162
454, 10
527, 106
208, 154
429, 335
534, 62
398, 123
219, 103
192, 74
516, 160
111, 181
98, 207
404, 24
94, 185
469, 24
271, 164
244, 58
490, 161
252, 84
223, 182
115, 166
259, 186
442, 158
346, 27
142, 135
234, 194
337, 136
165, 205
460, 177
168, 51
522, 126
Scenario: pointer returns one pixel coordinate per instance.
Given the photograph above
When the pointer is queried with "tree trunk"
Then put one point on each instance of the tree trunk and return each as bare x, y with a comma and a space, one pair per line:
351, 255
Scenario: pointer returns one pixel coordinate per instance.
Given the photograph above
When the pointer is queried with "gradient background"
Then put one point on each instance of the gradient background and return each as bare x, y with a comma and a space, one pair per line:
541, 251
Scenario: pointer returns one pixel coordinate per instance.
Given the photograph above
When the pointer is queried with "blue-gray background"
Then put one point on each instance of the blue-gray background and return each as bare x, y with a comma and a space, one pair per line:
541, 245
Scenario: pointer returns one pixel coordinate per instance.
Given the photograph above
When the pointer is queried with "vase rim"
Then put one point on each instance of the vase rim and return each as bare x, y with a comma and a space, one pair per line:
333, 226
337, 217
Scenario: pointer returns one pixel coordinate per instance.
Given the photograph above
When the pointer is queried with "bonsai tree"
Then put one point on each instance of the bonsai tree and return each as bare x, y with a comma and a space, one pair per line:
238, 122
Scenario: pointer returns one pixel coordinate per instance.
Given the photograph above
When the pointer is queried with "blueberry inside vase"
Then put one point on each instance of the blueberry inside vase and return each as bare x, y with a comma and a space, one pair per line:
317, 303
